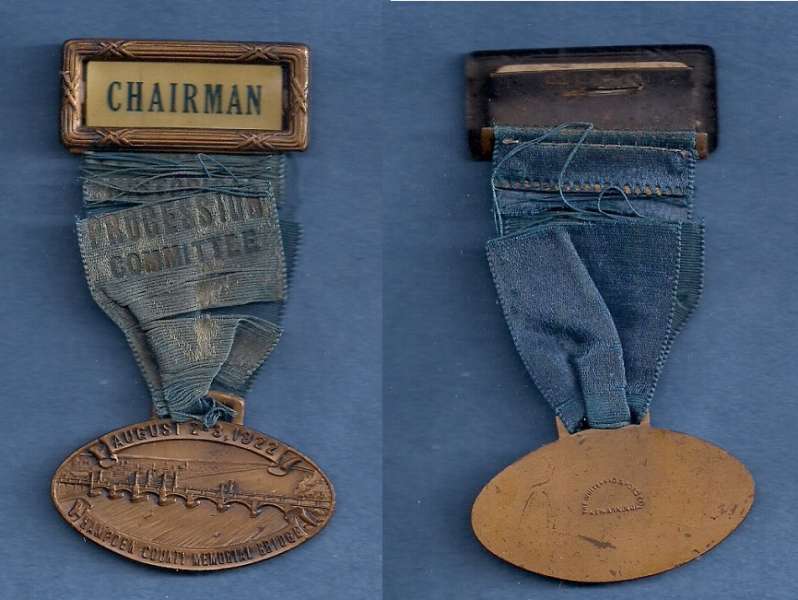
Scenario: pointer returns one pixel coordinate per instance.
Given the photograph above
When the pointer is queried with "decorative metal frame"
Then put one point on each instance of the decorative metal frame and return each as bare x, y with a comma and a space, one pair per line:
294, 58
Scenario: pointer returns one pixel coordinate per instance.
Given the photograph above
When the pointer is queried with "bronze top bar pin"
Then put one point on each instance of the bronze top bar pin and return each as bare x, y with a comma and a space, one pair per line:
221, 97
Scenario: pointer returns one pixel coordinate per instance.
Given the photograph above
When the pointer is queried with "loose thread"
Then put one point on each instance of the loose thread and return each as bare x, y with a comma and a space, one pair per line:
191, 174
572, 209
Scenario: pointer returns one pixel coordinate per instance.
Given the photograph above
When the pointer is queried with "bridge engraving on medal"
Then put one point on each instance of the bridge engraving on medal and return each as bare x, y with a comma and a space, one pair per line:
181, 496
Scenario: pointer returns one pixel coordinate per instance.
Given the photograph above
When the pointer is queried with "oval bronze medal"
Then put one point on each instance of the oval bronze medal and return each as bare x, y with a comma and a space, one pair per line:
185, 497
611, 505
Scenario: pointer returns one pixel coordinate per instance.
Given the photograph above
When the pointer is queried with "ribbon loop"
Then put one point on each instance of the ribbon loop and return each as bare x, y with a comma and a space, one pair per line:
595, 288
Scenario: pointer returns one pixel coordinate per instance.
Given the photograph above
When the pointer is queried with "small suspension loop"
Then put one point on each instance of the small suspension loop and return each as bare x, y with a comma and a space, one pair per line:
233, 402
588, 127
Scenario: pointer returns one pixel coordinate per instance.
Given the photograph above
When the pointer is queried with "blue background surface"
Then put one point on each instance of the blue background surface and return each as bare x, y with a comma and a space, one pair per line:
459, 405
67, 373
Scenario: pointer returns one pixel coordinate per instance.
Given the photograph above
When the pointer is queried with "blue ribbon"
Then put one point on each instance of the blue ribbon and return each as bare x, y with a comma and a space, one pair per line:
189, 255
598, 262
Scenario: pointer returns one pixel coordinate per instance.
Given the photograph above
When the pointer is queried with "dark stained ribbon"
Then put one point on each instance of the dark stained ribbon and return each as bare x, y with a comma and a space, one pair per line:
189, 256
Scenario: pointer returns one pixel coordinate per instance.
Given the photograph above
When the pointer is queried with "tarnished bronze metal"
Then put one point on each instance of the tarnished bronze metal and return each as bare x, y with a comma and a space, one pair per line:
236, 97
185, 497
610, 505
637, 88
237, 403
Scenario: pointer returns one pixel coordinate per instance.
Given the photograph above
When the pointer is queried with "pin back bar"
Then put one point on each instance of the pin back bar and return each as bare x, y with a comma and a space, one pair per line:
635, 88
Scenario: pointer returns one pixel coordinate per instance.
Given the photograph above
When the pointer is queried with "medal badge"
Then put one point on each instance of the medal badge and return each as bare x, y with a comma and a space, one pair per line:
188, 246
598, 264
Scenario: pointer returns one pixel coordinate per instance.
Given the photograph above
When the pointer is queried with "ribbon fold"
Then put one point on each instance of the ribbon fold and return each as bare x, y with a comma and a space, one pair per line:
173, 247
598, 263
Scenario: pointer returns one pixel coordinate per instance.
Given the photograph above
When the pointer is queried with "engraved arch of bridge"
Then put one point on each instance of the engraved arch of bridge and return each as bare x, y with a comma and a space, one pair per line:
223, 497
